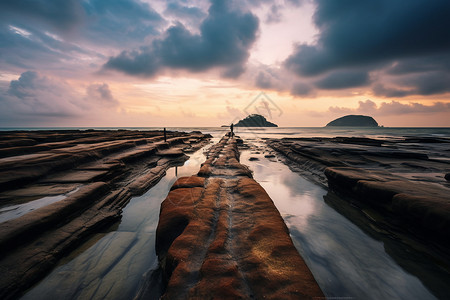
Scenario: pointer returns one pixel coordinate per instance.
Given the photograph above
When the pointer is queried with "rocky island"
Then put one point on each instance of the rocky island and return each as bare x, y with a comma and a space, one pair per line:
255, 121
354, 121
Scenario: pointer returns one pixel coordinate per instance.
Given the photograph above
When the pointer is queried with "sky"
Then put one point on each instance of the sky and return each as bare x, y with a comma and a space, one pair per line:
180, 63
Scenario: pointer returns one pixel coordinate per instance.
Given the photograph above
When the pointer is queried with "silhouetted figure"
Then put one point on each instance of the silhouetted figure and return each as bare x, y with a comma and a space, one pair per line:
165, 135
231, 130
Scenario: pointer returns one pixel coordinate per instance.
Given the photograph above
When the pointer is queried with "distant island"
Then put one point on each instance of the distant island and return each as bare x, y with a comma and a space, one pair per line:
255, 121
354, 120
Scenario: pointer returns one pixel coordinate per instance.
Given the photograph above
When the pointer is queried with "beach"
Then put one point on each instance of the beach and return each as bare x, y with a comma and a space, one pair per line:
79, 183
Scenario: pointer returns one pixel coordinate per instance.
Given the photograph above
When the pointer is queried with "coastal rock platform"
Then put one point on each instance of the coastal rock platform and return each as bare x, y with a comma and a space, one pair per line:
403, 179
58, 188
221, 237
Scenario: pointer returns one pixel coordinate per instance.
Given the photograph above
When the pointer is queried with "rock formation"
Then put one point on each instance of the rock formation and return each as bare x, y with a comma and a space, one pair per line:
96, 172
405, 185
221, 237
255, 121
354, 121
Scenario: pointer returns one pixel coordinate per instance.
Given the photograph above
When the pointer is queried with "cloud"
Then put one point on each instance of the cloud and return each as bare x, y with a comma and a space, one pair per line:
393, 108
116, 22
28, 47
381, 90
185, 12
225, 38
427, 83
36, 95
439, 62
61, 16
36, 98
301, 89
100, 93
58, 35
263, 81
354, 32
274, 15
342, 80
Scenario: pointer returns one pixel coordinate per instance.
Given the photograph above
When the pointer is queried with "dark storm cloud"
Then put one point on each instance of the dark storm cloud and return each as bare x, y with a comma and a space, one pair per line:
120, 21
342, 80
225, 38
366, 32
45, 34
59, 15
427, 83
440, 62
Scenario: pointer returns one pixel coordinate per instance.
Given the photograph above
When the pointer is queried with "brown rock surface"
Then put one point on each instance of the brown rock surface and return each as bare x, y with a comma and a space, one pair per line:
221, 237
95, 173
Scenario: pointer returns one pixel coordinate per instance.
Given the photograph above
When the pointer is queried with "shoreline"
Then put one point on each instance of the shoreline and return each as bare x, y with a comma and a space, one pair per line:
104, 169
399, 186
98, 172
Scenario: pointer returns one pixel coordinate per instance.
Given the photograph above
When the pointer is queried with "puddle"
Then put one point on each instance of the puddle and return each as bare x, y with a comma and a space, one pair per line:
12, 212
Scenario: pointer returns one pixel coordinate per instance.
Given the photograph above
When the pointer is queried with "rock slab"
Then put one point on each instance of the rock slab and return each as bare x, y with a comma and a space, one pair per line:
221, 237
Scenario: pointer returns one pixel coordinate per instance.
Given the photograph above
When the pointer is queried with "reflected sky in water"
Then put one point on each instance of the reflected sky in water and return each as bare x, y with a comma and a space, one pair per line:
345, 261
113, 265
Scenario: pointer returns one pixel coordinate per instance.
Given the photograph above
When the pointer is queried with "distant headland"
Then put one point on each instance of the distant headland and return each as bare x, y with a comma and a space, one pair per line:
255, 120
354, 120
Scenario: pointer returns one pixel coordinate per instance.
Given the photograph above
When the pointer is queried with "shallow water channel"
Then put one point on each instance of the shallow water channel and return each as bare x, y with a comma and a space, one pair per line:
345, 260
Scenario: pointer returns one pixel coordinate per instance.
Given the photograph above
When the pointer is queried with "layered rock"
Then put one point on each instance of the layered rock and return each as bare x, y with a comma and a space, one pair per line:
95, 173
402, 179
221, 237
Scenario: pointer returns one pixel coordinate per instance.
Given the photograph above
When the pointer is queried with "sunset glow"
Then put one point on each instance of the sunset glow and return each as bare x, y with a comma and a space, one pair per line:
129, 63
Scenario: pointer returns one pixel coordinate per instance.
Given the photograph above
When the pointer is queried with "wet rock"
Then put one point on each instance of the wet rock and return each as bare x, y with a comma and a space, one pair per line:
419, 205
398, 178
220, 236
447, 176
20, 230
170, 152
253, 158
102, 168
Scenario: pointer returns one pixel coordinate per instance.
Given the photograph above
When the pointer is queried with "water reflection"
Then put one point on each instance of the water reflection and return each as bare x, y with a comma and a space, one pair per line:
11, 212
345, 261
115, 265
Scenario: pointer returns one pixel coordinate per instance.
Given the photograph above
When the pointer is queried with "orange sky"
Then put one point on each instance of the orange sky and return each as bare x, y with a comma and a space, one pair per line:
211, 62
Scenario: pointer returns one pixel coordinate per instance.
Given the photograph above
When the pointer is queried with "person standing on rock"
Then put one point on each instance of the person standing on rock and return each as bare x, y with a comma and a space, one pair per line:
231, 130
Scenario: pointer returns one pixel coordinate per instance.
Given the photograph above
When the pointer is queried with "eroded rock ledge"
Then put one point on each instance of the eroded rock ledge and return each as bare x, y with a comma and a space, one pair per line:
403, 179
221, 237
95, 172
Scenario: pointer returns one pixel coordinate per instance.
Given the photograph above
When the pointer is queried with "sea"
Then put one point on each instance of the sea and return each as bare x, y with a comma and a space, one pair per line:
280, 132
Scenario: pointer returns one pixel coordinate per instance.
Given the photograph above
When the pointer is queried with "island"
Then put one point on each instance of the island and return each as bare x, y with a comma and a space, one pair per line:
354, 120
255, 120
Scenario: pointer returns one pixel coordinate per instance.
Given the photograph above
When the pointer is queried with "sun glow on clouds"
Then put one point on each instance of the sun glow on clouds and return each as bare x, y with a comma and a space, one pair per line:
277, 38
200, 63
